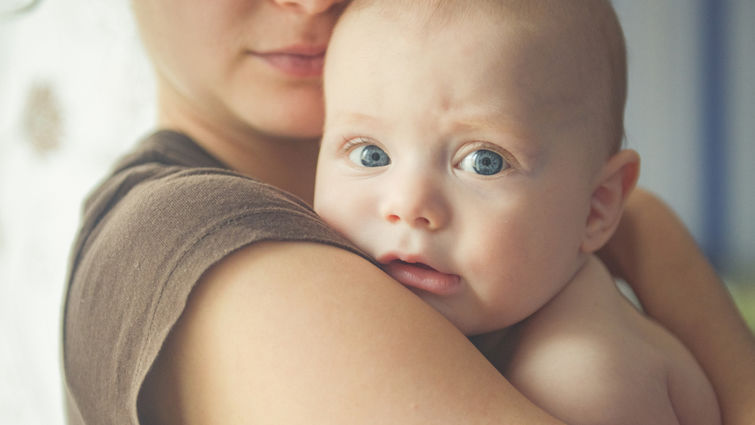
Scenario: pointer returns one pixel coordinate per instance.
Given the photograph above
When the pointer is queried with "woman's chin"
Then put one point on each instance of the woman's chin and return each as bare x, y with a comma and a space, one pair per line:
302, 120
303, 132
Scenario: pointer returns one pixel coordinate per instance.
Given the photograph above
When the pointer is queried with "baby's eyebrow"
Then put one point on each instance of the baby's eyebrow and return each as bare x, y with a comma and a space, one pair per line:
349, 122
474, 123
356, 117
512, 131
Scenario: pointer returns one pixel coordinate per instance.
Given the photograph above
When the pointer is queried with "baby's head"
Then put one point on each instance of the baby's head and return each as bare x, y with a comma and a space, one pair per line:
568, 53
473, 146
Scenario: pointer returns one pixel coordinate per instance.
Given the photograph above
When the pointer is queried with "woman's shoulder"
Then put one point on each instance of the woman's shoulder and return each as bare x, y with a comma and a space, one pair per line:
149, 232
169, 192
168, 171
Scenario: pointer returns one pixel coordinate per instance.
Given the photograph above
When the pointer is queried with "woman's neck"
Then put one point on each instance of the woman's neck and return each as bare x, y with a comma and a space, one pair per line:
286, 163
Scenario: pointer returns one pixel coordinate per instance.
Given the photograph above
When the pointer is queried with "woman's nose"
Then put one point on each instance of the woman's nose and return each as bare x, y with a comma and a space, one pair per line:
419, 206
311, 7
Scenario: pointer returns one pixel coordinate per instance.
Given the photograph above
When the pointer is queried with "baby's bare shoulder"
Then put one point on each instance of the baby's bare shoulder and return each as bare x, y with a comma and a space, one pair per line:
592, 362
586, 375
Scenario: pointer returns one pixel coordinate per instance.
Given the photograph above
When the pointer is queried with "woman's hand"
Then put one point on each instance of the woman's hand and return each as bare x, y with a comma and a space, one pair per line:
678, 287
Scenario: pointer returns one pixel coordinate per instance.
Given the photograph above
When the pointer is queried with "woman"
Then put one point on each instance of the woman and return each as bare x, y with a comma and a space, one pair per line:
198, 295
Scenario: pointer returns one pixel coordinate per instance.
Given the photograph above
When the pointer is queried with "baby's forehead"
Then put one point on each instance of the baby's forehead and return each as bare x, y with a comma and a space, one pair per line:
588, 27
559, 38
577, 44
426, 14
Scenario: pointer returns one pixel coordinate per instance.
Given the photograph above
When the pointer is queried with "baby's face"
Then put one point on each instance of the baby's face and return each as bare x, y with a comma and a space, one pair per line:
456, 158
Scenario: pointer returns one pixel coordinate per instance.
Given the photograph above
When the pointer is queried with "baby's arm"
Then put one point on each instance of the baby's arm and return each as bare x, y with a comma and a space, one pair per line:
677, 286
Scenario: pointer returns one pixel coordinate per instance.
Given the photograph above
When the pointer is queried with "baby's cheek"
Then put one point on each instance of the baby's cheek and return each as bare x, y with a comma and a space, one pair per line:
327, 208
483, 267
359, 230
488, 245
497, 259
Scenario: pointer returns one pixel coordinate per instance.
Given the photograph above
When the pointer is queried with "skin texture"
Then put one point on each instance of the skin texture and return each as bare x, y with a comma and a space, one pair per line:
266, 125
399, 176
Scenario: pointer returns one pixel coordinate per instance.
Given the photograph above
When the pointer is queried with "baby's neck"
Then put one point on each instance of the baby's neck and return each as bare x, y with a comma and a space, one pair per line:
590, 293
589, 282
591, 289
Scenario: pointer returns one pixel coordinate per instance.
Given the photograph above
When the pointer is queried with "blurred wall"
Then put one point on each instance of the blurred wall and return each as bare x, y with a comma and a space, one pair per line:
75, 92
679, 110
741, 87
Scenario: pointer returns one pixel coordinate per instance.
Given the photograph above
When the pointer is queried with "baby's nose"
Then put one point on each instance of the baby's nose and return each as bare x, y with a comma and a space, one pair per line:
419, 222
423, 208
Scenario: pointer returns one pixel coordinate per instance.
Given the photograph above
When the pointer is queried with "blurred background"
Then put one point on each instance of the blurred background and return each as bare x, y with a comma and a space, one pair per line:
76, 92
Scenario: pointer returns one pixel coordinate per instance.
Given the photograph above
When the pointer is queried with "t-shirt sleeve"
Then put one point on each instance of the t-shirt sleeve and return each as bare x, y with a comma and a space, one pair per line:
141, 258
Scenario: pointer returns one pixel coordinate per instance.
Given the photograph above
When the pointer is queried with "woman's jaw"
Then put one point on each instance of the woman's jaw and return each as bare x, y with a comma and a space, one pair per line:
282, 155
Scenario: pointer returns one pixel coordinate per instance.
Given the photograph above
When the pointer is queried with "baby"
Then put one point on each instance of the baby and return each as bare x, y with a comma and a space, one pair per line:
474, 149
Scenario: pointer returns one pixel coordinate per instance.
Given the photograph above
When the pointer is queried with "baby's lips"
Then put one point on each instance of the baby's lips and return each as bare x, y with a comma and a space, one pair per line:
423, 277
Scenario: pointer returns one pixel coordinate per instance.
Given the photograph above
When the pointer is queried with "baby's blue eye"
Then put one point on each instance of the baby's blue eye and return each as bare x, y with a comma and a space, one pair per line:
369, 156
483, 162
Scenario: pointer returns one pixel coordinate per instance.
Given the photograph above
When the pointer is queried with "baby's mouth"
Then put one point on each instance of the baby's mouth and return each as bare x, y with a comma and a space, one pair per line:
423, 277
419, 265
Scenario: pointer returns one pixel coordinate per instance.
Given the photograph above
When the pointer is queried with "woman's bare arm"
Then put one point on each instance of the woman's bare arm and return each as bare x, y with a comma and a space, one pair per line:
678, 287
297, 333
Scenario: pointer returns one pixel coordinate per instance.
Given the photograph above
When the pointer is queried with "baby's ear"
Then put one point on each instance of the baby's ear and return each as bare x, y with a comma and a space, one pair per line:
615, 181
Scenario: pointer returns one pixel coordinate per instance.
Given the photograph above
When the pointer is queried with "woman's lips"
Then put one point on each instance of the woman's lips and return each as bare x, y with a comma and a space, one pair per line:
296, 61
424, 277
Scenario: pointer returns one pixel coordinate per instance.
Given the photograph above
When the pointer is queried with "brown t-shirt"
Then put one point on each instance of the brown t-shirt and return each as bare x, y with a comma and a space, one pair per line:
166, 214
